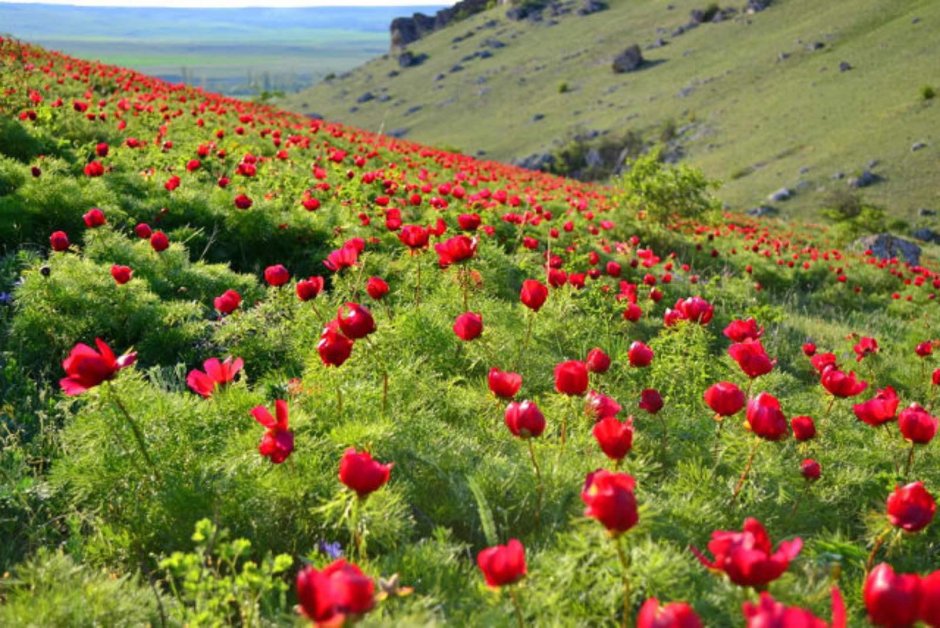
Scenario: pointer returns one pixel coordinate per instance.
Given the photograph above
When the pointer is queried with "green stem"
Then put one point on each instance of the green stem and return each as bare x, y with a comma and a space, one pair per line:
518, 607
747, 469
357, 530
879, 541
910, 461
540, 488
625, 565
135, 428
418, 281
525, 341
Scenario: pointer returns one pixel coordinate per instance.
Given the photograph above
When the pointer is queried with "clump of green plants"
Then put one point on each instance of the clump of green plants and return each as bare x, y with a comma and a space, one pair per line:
663, 192
927, 92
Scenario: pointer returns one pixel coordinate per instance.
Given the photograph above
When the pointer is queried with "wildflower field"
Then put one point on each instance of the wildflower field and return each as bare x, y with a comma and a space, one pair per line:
258, 369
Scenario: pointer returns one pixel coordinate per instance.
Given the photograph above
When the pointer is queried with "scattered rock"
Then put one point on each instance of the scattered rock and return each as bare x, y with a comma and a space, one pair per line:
365, 97
838, 176
409, 59
780, 195
804, 169
393, 73
456, 68
628, 60
926, 235
440, 77
783, 56
659, 43
762, 211
864, 180
593, 159
538, 116
493, 43
816, 45
412, 110
924, 212
844, 66
756, 6
405, 30
536, 161
887, 246
916, 146
591, 6
872, 164
399, 132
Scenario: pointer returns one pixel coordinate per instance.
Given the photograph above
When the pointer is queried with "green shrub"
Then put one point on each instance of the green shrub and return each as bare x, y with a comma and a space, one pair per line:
663, 192
927, 92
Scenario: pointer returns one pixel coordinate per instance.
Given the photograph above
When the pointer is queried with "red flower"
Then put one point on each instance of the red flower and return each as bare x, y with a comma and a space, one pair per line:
881, 409
614, 437
502, 564
376, 287
692, 309
94, 169
504, 384
765, 418
242, 201
94, 218
651, 400
823, 361
159, 242
309, 288
865, 347
278, 441
121, 274
600, 405
609, 499
752, 358
143, 231
276, 275
414, 236
468, 222
86, 368
533, 294
468, 326
917, 425
743, 330
455, 250
639, 354
571, 377
930, 599
341, 258
892, 599
59, 241
911, 507
597, 361
769, 613
632, 313
524, 419
228, 302
809, 349
102, 149
327, 597
935, 377
924, 349
810, 469
841, 385
361, 473
747, 557
217, 373
172, 183
334, 348
803, 428
725, 398
355, 321
672, 615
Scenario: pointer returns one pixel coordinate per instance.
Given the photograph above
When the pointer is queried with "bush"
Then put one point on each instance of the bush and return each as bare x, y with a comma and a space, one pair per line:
927, 92
663, 192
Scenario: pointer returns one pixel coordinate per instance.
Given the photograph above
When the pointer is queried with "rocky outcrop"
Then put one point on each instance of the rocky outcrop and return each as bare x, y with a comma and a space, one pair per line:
406, 30
628, 60
888, 246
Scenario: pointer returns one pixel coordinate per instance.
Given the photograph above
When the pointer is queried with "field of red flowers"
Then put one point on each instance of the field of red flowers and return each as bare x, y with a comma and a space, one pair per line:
260, 369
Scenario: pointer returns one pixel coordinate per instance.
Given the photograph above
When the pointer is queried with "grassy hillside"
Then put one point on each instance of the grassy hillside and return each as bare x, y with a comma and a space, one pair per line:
248, 263
746, 116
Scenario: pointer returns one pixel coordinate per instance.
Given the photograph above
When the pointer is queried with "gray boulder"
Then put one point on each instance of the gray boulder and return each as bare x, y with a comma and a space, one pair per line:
780, 195
888, 246
864, 180
762, 211
591, 6
926, 235
628, 60
409, 59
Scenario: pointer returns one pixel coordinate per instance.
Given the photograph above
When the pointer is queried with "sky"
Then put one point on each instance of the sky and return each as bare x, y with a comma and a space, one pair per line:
230, 4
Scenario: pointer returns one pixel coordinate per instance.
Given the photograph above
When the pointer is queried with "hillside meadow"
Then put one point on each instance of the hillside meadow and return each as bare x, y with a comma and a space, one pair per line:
259, 369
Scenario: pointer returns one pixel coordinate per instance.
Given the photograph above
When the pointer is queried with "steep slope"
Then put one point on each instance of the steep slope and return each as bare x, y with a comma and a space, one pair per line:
758, 101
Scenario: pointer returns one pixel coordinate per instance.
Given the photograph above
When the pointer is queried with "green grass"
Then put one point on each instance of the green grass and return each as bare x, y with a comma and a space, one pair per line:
750, 120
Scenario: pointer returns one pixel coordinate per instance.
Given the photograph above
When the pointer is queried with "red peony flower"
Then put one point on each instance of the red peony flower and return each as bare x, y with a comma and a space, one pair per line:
59, 241
892, 599
85, 368
651, 400
94, 217
747, 557
609, 499
243, 201
533, 294
810, 469
504, 384
455, 250
639, 354
376, 288
911, 507
672, 615
597, 361
309, 288
765, 418
865, 347
355, 321
361, 473
339, 591
803, 428
159, 242
502, 564
881, 409
524, 419
228, 302
725, 398
743, 330
614, 437
841, 385
121, 274
571, 377
278, 441
276, 275
917, 425
217, 373
752, 358
468, 326
334, 348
